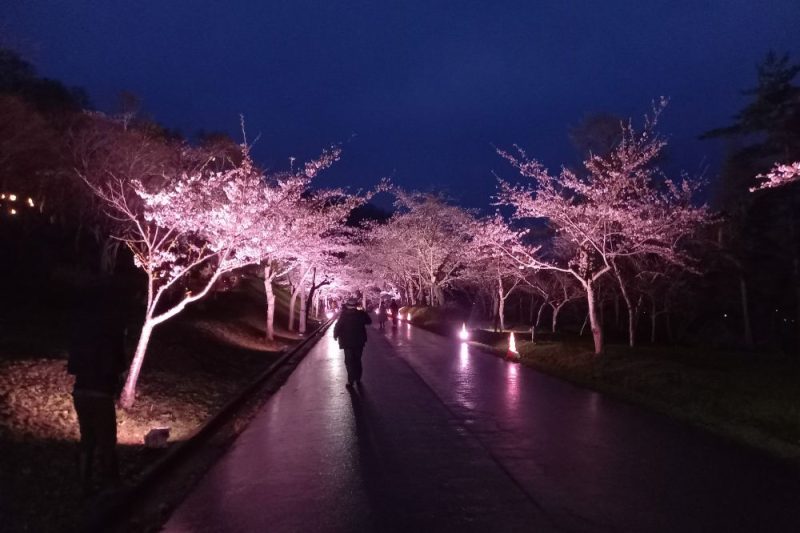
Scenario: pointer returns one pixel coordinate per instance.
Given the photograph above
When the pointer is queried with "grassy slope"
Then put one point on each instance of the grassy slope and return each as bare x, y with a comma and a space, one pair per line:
195, 364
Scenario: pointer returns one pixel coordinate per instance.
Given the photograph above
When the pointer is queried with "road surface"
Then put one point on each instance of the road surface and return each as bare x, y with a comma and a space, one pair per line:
443, 437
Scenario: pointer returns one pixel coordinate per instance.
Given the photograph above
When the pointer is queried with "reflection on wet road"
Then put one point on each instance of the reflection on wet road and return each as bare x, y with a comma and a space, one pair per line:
596, 464
442, 437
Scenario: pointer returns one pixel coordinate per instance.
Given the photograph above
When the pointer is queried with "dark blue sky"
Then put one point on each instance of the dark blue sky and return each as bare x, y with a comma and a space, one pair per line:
416, 90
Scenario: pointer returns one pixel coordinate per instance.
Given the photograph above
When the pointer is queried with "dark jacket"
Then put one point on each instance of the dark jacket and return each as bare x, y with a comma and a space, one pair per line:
350, 329
96, 351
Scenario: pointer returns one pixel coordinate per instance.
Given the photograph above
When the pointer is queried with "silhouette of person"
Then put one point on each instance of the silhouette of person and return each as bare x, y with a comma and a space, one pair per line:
350, 330
395, 313
97, 360
381, 315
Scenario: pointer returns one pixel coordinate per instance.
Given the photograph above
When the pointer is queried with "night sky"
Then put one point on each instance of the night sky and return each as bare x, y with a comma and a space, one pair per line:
418, 91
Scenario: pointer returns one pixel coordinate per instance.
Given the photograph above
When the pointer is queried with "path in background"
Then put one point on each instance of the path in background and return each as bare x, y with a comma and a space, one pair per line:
443, 437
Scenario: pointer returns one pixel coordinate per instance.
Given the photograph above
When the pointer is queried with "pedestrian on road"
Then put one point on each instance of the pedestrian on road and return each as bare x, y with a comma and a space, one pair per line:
350, 330
395, 313
97, 360
381, 315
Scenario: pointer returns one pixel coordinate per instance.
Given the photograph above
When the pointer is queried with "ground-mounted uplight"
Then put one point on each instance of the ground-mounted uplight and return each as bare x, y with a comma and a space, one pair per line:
512, 347
408, 316
463, 334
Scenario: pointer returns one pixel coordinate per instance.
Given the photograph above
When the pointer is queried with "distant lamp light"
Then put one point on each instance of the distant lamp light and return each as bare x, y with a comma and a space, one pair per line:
463, 334
13, 211
329, 314
12, 197
30, 201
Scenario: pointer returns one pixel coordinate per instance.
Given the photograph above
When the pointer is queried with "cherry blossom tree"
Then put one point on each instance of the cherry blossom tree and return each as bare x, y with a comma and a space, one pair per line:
427, 240
779, 176
185, 230
622, 206
556, 290
488, 260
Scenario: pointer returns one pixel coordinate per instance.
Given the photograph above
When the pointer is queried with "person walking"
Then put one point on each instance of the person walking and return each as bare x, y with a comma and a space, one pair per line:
395, 313
350, 330
97, 360
381, 315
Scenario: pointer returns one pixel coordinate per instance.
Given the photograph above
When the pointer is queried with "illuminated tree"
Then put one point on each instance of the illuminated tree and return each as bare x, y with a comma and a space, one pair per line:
427, 240
779, 176
621, 207
185, 229
491, 265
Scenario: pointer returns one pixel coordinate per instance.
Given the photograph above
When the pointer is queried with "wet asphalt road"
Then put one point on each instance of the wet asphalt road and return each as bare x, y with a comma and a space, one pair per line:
442, 437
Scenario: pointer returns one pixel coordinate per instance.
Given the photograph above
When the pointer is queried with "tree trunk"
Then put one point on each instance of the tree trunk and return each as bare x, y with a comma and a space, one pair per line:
439, 296
628, 304
539, 314
129, 392
556, 310
303, 309
270, 296
748, 332
501, 311
594, 323
292, 303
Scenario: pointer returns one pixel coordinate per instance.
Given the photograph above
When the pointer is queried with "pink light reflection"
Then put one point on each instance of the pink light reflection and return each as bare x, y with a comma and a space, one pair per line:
463, 357
512, 386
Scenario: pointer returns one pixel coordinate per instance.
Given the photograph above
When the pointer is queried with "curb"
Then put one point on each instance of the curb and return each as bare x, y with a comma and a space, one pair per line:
106, 517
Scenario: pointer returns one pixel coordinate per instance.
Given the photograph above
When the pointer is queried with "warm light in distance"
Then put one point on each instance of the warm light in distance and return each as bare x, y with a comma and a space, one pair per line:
13, 211
408, 316
463, 334
12, 197
329, 314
